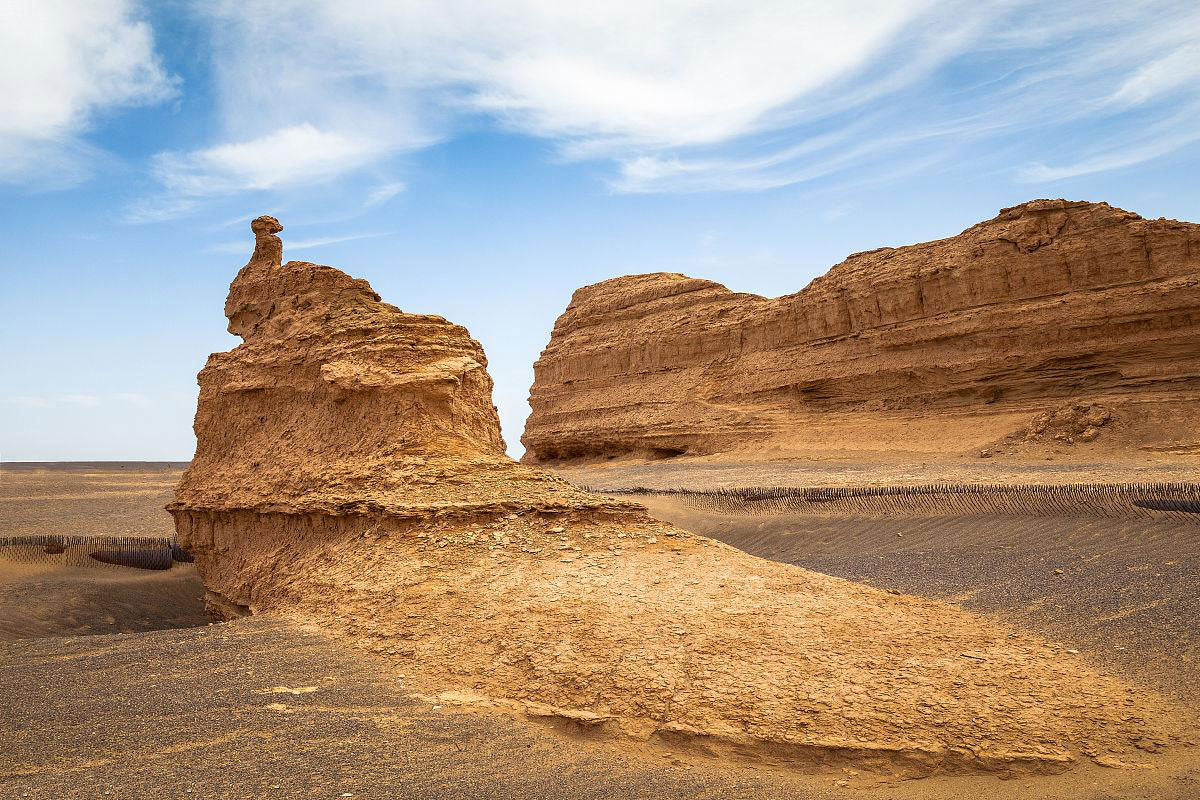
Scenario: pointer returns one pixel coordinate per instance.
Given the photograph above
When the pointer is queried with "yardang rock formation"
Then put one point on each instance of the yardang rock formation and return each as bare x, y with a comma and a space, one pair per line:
942, 347
349, 472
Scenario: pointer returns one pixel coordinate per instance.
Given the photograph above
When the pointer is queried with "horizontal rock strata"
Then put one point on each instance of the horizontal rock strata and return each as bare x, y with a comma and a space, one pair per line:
938, 347
349, 473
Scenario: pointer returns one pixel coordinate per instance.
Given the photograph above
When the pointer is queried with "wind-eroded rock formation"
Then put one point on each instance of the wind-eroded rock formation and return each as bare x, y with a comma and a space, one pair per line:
337, 403
946, 346
349, 472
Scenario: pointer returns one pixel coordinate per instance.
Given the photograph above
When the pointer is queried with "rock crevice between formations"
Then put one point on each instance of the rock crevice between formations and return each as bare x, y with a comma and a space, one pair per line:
1050, 302
349, 473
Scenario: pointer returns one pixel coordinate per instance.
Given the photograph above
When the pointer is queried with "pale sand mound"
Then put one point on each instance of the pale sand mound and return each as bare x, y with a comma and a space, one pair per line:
349, 470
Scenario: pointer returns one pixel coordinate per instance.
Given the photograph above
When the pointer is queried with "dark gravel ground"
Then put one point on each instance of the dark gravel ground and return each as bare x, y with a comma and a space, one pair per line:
1124, 592
209, 713
173, 708
192, 713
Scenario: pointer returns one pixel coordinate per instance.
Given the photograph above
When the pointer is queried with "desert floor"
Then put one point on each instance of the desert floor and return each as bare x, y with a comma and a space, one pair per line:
114, 684
714, 472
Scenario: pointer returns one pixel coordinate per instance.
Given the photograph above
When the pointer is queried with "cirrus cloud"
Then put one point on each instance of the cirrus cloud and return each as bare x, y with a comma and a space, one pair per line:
682, 96
297, 154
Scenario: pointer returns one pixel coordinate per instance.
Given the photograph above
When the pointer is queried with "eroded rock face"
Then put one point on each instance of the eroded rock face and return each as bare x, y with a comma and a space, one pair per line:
1051, 302
349, 473
337, 402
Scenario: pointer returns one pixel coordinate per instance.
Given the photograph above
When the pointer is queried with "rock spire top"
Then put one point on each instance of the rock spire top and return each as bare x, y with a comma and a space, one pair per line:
267, 246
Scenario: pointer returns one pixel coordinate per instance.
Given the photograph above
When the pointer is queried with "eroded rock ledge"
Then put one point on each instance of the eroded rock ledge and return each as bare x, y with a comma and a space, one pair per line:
349, 472
946, 346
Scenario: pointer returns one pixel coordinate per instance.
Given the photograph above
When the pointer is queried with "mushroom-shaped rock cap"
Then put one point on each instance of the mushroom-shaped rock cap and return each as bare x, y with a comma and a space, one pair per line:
265, 224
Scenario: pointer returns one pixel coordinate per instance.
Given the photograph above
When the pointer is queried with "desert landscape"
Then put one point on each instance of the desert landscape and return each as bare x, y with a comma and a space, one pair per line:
355, 568
675, 401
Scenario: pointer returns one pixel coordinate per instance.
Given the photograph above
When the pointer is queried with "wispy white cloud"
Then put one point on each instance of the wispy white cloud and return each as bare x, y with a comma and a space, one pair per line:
1176, 71
684, 96
241, 247
1121, 158
352, 82
160, 207
321, 241
298, 155
1145, 143
61, 64
285, 157
382, 193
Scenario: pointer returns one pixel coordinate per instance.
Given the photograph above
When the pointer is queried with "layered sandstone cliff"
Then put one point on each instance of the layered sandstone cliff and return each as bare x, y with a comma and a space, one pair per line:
349, 473
945, 346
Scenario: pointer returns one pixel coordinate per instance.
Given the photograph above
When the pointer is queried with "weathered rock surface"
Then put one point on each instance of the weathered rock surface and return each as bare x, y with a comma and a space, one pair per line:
337, 402
938, 347
349, 473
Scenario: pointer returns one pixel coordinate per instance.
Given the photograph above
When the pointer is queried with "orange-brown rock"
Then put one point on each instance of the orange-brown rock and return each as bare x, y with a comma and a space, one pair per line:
938, 347
337, 402
349, 473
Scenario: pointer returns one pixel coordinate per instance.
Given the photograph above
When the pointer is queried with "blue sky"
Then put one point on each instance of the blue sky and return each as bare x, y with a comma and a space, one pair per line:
481, 163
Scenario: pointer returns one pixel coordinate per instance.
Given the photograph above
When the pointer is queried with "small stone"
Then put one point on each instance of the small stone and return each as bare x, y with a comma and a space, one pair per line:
1058, 572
